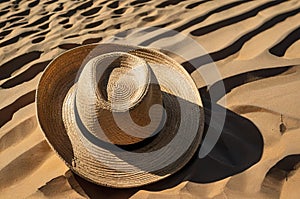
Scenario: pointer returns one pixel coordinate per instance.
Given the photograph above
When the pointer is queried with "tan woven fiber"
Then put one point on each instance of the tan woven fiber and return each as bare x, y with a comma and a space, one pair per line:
124, 88
82, 101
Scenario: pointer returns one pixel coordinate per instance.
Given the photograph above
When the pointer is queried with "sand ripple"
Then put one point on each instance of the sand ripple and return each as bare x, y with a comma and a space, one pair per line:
255, 45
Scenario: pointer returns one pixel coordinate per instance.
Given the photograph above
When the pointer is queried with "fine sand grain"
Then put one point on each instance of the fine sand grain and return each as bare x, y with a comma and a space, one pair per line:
256, 47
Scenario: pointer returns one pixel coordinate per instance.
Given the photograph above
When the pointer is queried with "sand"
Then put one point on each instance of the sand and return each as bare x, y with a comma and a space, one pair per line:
255, 46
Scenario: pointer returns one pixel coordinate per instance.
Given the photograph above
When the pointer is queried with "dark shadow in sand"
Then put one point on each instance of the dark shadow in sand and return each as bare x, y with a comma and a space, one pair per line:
71, 12
239, 146
214, 26
25, 76
287, 166
193, 5
243, 78
44, 26
281, 172
16, 38
190, 23
7, 112
238, 44
86, 188
16, 63
39, 21
280, 48
235, 19
91, 11
33, 3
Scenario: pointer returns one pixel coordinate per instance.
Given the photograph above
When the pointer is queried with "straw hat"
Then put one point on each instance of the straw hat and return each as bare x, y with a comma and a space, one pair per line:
120, 116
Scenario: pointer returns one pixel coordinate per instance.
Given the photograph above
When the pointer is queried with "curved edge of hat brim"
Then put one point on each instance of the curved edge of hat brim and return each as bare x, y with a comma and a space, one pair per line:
69, 164
201, 127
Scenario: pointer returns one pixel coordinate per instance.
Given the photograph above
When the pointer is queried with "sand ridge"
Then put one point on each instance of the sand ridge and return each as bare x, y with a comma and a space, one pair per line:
255, 45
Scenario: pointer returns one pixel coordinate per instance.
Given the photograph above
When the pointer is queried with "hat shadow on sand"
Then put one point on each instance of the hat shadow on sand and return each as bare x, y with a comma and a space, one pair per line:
239, 146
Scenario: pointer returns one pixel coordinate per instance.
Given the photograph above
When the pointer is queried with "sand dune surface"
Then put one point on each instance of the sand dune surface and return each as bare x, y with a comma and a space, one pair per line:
255, 46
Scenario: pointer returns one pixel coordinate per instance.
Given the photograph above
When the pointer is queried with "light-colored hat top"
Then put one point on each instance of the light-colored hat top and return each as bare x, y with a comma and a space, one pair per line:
125, 88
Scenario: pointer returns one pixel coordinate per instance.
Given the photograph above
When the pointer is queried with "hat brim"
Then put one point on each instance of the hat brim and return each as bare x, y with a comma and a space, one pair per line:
94, 161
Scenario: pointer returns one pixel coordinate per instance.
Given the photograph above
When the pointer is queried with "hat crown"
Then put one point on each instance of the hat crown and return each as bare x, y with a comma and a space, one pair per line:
118, 86
124, 83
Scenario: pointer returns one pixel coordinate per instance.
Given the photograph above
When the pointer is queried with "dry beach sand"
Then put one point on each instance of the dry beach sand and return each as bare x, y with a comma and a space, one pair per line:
256, 47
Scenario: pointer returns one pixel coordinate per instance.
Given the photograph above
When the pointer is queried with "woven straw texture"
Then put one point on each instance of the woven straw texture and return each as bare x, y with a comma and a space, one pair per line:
73, 101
